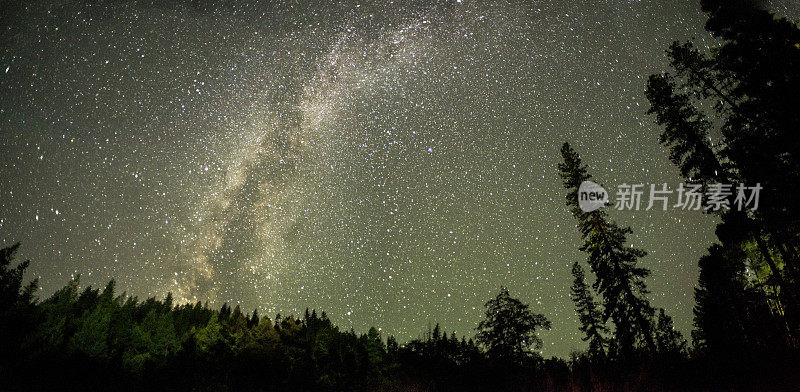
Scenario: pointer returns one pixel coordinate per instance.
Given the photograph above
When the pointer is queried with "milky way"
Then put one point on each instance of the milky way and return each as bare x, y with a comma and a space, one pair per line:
391, 164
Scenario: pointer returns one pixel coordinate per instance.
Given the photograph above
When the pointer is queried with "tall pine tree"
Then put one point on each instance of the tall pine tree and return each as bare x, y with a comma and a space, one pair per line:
618, 278
589, 314
752, 78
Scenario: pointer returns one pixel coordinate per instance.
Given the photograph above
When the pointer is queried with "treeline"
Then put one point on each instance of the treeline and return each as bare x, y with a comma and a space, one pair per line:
97, 339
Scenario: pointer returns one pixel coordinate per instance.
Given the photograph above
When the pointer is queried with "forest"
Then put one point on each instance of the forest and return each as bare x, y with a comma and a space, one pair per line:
743, 94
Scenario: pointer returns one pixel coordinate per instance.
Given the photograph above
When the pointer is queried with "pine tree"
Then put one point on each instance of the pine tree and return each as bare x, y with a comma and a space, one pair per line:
391, 346
669, 340
588, 313
253, 321
375, 348
752, 76
730, 316
618, 278
12, 292
18, 312
686, 131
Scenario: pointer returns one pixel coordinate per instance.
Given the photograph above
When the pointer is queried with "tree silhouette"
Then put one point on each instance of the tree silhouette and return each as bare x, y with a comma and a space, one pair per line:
18, 313
670, 341
96, 338
752, 78
589, 315
509, 329
618, 278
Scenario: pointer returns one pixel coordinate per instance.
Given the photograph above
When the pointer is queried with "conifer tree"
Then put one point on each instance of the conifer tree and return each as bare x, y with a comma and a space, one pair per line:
589, 314
669, 340
752, 76
730, 316
619, 279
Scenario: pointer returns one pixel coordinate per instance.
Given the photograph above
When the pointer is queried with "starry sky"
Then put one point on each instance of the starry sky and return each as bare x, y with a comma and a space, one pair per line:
391, 163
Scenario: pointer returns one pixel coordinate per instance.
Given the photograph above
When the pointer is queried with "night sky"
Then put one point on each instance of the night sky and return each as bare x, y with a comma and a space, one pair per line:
391, 164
